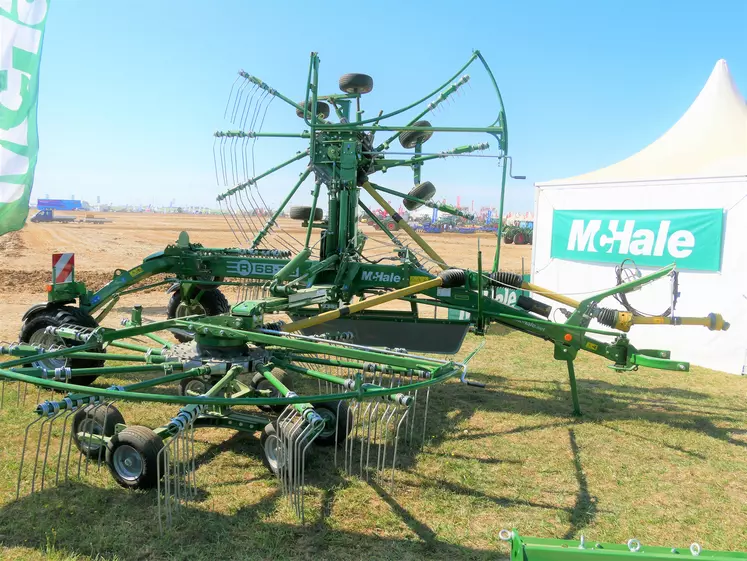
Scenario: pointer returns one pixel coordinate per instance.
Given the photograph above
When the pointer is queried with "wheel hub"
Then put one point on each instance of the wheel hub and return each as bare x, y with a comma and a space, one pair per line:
127, 462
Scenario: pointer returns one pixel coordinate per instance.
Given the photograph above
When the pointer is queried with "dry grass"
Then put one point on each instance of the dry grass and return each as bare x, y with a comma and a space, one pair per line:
657, 455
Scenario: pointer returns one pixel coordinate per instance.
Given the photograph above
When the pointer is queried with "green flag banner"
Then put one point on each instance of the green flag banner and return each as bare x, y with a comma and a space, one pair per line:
652, 238
21, 34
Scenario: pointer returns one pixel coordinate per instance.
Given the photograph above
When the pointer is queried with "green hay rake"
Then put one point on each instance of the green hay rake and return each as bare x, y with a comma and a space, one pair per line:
307, 355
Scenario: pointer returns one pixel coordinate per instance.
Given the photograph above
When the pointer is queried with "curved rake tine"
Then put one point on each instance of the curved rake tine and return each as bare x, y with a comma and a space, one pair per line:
396, 444
23, 454
38, 448
425, 411
62, 445
230, 94
52, 419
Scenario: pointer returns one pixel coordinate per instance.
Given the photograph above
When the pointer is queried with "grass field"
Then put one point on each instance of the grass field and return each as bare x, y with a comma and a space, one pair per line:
658, 456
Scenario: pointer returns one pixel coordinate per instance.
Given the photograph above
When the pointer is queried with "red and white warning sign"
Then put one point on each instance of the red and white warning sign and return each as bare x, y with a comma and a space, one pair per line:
62, 267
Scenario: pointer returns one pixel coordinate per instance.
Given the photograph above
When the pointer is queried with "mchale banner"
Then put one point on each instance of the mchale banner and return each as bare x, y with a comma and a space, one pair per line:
653, 238
21, 35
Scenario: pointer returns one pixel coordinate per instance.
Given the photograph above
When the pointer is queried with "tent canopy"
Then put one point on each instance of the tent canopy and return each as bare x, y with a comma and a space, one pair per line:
710, 140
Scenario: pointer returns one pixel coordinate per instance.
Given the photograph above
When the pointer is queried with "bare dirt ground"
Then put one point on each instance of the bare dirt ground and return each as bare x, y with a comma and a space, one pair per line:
25, 256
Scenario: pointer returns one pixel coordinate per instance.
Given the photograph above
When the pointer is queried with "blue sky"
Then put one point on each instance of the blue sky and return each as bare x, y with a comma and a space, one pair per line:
131, 92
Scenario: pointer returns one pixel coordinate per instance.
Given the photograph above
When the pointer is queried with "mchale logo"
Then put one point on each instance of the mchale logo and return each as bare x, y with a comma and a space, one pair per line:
582, 237
380, 276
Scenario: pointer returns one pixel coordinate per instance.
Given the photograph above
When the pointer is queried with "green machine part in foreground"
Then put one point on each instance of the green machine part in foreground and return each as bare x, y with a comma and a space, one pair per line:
539, 549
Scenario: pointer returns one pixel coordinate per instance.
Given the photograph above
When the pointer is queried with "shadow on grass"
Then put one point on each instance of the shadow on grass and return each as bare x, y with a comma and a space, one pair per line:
77, 519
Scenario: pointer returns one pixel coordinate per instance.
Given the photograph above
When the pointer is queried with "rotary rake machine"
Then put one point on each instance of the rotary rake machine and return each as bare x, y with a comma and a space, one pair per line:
306, 355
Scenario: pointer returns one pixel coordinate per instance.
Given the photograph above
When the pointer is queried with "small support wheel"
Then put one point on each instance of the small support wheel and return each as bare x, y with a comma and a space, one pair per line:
508, 238
322, 109
273, 454
304, 213
259, 382
94, 419
133, 457
356, 83
408, 139
210, 303
193, 387
338, 422
424, 191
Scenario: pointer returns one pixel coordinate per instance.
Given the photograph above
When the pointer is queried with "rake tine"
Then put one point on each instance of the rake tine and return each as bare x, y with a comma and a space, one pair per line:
425, 411
52, 419
69, 414
91, 416
230, 94
23, 454
396, 443
237, 101
38, 448
2, 395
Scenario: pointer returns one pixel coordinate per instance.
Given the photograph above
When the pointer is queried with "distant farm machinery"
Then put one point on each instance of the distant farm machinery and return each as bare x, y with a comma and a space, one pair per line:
306, 346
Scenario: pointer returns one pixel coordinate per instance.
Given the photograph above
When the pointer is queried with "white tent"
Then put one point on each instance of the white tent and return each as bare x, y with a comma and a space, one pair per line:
700, 165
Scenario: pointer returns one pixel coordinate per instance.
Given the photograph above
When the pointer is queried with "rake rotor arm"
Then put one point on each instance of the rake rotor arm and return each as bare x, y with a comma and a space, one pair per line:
430, 204
253, 181
272, 91
370, 188
431, 106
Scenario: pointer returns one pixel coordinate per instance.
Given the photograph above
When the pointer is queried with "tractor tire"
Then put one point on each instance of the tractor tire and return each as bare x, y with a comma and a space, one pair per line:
424, 191
508, 238
356, 83
212, 303
132, 458
520, 238
33, 332
322, 109
304, 213
392, 226
408, 139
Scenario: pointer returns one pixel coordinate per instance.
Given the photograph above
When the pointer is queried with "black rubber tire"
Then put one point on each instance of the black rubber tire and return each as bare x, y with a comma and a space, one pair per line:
57, 316
338, 422
213, 301
187, 381
508, 238
259, 382
408, 139
304, 213
356, 83
104, 419
392, 226
269, 437
148, 444
322, 108
520, 238
425, 191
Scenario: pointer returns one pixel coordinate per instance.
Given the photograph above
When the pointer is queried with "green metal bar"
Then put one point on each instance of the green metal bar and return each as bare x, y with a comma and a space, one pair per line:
380, 224
279, 211
52, 354
317, 187
499, 231
100, 371
336, 362
421, 100
313, 373
253, 180
134, 347
441, 207
431, 106
273, 91
252, 134
574, 390
282, 388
